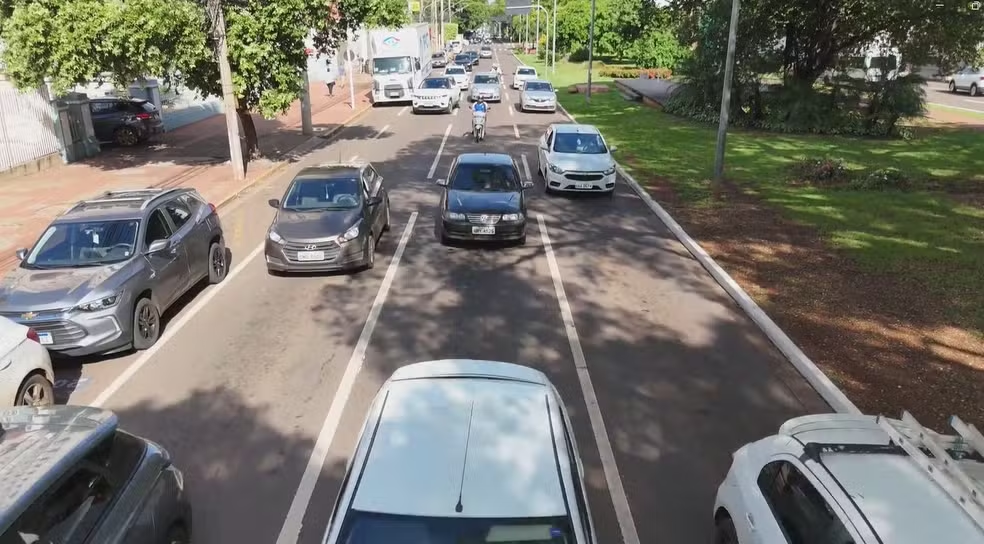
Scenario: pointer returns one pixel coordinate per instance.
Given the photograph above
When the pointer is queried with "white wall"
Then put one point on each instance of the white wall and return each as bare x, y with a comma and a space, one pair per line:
27, 126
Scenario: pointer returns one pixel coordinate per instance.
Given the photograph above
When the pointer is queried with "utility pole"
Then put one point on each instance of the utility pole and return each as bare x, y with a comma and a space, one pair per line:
307, 126
536, 39
729, 69
228, 91
351, 72
587, 96
553, 52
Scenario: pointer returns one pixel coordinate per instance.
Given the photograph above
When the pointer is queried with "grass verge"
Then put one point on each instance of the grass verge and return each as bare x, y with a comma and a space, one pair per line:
566, 73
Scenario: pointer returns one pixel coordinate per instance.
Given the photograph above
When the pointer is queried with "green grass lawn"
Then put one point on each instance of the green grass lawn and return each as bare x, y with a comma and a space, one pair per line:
566, 74
923, 234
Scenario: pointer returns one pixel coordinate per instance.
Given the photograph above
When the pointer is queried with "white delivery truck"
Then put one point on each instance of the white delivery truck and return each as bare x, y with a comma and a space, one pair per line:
400, 60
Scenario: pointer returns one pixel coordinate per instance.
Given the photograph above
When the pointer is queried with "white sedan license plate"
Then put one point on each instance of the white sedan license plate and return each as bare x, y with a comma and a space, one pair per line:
483, 230
583, 185
308, 256
45, 338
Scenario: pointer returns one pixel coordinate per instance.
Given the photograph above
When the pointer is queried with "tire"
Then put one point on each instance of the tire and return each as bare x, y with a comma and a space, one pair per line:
371, 252
218, 266
146, 324
177, 534
126, 137
724, 530
953, 86
521, 241
974, 91
445, 241
35, 391
414, 111
386, 224
450, 107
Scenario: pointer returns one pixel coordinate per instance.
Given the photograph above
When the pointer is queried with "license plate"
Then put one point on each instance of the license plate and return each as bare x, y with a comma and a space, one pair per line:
45, 338
483, 230
394, 95
308, 256
583, 185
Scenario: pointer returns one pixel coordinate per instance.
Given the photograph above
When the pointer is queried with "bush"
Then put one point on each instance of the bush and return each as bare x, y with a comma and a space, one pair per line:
822, 172
618, 72
578, 55
883, 179
657, 49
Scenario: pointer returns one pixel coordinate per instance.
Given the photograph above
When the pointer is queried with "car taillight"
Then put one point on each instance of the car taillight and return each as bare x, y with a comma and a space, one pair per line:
33, 335
143, 116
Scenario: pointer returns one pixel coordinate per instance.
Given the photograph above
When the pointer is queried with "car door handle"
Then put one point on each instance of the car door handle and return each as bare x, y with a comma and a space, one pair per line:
751, 521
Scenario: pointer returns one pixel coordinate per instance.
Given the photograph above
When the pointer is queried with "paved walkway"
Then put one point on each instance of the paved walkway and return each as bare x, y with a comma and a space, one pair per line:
196, 155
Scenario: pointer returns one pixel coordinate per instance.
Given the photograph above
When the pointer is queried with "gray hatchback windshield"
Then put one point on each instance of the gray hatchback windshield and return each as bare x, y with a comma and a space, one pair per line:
585, 144
488, 178
91, 243
323, 194
538, 86
486, 80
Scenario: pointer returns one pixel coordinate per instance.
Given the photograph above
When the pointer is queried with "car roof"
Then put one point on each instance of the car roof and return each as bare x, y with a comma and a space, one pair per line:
485, 158
331, 170
576, 128
518, 68
37, 446
481, 433
120, 204
490, 74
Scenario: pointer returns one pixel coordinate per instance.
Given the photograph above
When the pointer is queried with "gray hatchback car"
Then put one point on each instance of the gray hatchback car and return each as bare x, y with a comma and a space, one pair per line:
101, 275
330, 218
69, 474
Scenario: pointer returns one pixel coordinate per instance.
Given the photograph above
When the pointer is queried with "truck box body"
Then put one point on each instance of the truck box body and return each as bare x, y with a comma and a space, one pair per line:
400, 61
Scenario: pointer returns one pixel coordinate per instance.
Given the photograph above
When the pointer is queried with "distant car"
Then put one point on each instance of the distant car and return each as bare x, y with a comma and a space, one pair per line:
464, 451
474, 57
464, 60
124, 121
330, 219
522, 75
538, 96
439, 93
439, 60
576, 158
488, 86
970, 79
26, 376
69, 474
459, 74
483, 199
485, 52
102, 274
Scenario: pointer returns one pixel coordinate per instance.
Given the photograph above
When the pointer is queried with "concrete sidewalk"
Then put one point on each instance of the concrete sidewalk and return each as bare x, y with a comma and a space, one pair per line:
196, 155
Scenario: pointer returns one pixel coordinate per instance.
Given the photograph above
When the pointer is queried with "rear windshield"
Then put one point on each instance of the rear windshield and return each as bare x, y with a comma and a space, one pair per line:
526, 72
371, 528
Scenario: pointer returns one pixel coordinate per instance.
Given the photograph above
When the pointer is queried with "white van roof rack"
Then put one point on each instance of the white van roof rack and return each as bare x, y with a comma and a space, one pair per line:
943, 467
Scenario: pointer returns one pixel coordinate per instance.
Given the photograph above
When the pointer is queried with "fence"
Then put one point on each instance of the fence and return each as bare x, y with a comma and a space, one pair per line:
27, 126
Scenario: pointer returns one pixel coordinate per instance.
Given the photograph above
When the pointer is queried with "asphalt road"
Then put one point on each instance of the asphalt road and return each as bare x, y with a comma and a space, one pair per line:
937, 94
240, 387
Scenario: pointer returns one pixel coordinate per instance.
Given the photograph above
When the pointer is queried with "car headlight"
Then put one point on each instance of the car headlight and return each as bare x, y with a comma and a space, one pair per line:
455, 216
351, 234
610, 170
512, 217
101, 304
275, 238
556, 169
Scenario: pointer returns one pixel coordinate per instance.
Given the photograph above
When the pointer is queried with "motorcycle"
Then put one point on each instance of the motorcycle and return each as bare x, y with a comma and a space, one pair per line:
478, 125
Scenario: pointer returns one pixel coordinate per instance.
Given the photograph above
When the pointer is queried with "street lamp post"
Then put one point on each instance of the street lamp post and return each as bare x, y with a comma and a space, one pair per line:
587, 95
553, 52
729, 70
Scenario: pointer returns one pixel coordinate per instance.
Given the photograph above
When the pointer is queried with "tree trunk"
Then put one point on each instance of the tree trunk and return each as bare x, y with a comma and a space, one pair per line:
251, 147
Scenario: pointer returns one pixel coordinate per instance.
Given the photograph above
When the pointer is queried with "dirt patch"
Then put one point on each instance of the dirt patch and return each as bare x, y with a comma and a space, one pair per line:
884, 342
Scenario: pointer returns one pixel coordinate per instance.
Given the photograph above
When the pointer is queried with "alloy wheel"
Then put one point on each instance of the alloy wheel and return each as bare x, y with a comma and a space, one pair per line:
218, 262
147, 322
35, 394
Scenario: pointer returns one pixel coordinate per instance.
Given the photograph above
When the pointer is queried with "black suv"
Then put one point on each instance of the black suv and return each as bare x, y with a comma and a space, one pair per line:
125, 121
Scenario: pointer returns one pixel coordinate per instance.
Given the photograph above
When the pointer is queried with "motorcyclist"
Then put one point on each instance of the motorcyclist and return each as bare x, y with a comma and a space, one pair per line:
479, 109
497, 70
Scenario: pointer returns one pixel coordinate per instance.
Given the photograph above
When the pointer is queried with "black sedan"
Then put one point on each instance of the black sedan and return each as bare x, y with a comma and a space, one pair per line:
483, 200
329, 219
465, 60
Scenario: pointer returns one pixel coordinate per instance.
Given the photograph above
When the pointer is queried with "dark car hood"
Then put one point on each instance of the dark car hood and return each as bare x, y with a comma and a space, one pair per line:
315, 225
27, 289
476, 202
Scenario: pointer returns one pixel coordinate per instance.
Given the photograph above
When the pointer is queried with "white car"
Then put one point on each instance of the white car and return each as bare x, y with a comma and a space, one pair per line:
26, 376
538, 96
459, 75
522, 75
436, 94
576, 158
969, 79
854, 479
458, 451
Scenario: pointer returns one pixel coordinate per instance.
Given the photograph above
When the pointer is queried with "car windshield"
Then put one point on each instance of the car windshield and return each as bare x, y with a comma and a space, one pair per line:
323, 194
538, 86
526, 72
486, 48
371, 528
435, 83
462, 58
90, 243
489, 178
397, 65
486, 80
455, 71
437, 56
575, 142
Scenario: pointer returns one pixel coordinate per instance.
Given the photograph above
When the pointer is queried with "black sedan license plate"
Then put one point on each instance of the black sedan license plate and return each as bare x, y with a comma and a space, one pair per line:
483, 230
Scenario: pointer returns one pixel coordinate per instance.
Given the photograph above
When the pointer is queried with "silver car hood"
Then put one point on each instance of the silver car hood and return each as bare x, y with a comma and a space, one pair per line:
27, 289
539, 95
486, 87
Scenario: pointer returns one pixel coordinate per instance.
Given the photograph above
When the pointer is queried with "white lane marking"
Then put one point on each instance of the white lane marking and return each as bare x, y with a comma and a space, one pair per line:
526, 166
973, 101
507, 96
402, 110
437, 158
516, 130
511, 110
954, 107
173, 328
619, 500
381, 132
292, 524
353, 158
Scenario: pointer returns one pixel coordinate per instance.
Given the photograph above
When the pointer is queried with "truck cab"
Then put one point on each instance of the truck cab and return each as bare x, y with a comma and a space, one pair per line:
400, 60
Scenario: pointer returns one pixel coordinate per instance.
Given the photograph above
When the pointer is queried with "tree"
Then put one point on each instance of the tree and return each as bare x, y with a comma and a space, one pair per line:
472, 14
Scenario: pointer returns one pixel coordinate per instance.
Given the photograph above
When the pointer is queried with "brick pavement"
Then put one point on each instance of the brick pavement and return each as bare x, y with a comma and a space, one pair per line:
195, 155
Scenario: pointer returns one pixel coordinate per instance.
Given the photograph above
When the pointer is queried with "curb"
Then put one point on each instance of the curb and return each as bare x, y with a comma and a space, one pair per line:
800, 361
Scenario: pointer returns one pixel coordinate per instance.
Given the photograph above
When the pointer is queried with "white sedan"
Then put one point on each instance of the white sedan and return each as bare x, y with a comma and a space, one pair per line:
459, 75
25, 367
522, 75
576, 158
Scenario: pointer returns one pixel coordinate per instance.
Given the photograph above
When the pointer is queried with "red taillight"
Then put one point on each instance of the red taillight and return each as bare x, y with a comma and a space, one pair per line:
143, 116
33, 335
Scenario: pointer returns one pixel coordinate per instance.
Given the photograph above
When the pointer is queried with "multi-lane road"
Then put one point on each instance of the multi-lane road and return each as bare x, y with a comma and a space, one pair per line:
938, 94
260, 384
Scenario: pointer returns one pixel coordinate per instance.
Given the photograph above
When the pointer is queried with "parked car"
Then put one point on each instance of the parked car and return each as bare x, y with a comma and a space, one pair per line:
26, 376
970, 79
329, 219
845, 478
483, 199
464, 451
485, 52
100, 276
487, 86
538, 95
438, 93
70, 474
125, 121
464, 60
459, 74
439, 60
576, 158
522, 75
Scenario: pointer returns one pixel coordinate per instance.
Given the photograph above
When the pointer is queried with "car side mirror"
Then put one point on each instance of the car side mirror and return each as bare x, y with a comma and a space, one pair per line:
612, 149
527, 184
274, 203
375, 201
157, 246
442, 182
21, 254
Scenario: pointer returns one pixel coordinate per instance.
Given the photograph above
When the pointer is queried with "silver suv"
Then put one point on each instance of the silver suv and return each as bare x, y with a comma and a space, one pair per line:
101, 275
